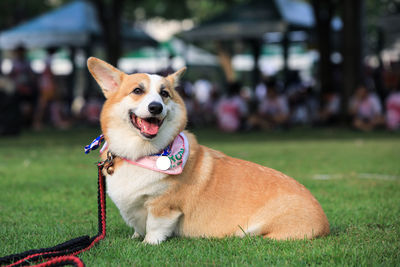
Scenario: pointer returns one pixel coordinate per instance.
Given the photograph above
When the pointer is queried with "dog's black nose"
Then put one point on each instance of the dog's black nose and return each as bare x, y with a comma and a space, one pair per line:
155, 108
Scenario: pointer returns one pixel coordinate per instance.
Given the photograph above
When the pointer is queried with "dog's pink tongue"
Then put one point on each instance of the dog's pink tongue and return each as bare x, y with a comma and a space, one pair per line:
149, 128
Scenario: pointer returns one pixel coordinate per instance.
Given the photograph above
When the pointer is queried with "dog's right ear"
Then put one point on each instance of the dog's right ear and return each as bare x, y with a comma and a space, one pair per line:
108, 77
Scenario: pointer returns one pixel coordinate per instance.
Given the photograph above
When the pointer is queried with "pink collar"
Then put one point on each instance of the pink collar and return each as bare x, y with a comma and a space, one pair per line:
178, 157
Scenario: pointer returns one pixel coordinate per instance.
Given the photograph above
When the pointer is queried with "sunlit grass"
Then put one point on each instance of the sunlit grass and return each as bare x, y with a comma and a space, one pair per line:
48, 195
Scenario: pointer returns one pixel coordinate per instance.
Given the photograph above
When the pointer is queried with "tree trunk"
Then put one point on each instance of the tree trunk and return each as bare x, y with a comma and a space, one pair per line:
256, 47
323, 11
109, 15
285, 49
352, 49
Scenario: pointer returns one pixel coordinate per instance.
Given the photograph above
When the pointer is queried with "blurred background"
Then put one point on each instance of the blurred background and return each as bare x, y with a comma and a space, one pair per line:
252, 64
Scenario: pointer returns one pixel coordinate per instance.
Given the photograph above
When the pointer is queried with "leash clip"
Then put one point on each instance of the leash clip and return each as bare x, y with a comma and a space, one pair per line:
108, 163
110, 157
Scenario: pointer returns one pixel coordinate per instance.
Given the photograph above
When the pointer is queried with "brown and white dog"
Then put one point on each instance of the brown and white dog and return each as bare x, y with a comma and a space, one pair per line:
214, 196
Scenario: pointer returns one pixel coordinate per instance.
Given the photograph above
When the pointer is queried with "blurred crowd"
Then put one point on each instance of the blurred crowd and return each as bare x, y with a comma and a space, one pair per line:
272, 105
28, 99
32, 100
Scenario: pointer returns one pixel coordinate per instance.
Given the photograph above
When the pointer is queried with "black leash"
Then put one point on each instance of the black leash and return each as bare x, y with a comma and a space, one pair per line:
64, 253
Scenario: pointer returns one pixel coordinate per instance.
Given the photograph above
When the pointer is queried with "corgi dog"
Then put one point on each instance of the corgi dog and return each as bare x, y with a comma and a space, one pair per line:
166, 184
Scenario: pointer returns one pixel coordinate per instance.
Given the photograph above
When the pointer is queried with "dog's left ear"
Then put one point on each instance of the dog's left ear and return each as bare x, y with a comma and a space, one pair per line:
176, 76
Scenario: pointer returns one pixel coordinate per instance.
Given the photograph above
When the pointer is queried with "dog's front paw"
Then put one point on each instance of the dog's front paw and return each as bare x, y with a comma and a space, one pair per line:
153, 239
135, 235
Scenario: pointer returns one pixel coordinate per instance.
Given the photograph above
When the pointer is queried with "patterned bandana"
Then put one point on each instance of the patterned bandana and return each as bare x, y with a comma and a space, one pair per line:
178, 156
177, 153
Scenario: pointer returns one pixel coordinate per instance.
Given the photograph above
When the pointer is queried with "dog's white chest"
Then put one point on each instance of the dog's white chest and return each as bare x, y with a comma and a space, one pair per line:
130, 187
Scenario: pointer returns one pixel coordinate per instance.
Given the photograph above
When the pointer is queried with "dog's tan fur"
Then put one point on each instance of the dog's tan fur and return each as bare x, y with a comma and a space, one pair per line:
215, 196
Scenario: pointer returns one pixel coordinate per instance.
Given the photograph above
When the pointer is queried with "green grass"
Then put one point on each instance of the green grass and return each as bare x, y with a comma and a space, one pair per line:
48, 195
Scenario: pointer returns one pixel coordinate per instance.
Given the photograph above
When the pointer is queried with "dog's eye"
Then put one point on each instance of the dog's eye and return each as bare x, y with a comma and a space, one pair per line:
137, 91
164, 93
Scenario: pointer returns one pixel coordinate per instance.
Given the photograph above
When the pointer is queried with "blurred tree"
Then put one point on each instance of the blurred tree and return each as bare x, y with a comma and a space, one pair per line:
374, 11
323, 12
353, 49
176, 9
361, 34
195, 10
110, 16
13, 12
111, 13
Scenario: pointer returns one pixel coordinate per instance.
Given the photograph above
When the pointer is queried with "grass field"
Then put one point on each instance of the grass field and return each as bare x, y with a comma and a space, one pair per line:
48, 195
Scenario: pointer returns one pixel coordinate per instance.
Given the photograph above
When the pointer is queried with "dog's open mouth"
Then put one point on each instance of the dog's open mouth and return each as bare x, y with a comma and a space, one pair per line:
148, 126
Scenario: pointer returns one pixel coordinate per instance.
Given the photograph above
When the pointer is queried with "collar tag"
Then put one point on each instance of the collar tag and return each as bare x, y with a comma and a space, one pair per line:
163, 163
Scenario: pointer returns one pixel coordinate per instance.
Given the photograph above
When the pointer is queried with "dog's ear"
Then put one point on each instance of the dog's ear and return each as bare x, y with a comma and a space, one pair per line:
175, 77
108, 77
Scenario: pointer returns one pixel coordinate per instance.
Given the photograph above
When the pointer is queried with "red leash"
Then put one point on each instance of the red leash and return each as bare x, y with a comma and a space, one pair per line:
65, 253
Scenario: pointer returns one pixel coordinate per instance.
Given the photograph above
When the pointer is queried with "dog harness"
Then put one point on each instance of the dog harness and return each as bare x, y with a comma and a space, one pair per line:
171, 160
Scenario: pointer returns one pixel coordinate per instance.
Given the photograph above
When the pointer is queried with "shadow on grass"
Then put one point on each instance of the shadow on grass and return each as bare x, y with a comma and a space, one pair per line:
337, 230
